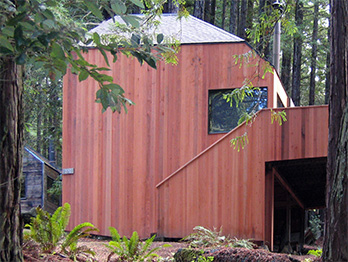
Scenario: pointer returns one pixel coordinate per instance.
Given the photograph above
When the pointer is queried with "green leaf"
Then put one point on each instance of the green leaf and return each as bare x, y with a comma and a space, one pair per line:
14, 21
159, 38
132, 20
135, 39
94, 9
105, 56
57, 51
138, 3
83, 75
18, 35
118, 7
5, 43
21, 59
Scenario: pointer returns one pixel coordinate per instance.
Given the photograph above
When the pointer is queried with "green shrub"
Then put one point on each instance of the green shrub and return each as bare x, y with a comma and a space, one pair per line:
131, 249
317, 252
244, 243
69, 244
47, 230
203, 237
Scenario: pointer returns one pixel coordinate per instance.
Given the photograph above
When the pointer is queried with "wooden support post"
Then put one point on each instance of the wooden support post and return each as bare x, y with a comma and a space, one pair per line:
269, 205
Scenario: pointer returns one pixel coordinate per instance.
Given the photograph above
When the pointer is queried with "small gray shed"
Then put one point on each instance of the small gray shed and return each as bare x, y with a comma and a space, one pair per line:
38, 176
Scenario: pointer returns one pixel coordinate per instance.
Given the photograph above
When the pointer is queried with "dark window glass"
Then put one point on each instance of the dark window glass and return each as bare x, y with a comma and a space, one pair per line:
53, 198
223, 117
279, 102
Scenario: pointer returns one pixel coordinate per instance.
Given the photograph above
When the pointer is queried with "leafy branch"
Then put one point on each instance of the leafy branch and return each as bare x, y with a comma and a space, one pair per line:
278, 116
240, 142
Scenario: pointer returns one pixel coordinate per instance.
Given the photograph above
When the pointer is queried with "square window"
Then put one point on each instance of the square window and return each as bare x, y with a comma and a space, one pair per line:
223, 117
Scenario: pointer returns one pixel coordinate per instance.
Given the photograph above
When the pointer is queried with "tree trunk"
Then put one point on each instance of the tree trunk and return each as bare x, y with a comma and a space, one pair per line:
242, 21
170, 7
296, 68
286, 70
11, 128
233, 17
224, 2
336, 225
209, 11
250, 16
327, 80
198, 9
314, 54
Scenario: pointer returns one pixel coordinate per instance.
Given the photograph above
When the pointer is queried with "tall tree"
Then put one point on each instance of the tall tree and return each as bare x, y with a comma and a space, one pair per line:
31, 29
198, 9
233, 17
336, 227
209, 11
297, 55
11, 133
170, 7
242, 19
314, 54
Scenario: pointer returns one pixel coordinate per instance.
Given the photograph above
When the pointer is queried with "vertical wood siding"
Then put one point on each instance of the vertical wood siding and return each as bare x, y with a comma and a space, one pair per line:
224, 187
120, 158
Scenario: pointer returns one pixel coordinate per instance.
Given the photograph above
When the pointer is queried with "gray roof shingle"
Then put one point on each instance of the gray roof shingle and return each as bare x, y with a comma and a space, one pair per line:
190, 30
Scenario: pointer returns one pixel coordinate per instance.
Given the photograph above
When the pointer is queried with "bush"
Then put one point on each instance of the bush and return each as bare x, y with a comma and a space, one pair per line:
131, 249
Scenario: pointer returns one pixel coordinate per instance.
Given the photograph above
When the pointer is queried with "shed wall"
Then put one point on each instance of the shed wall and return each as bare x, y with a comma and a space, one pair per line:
119, 159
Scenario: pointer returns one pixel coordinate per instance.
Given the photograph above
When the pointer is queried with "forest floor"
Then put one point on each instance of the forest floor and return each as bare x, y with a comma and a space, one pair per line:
32, 253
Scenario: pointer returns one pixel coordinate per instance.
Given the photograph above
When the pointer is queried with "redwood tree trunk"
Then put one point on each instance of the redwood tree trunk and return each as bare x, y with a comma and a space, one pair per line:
336, 225
286, 70
11, 128
296, 68
233, 17
314, 54
198, 9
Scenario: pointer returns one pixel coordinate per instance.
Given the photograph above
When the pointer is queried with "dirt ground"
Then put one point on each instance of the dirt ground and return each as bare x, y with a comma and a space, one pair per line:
32, 253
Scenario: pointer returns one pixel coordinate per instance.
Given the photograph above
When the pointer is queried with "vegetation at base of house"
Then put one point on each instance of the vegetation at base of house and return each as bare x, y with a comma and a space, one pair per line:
46, 229
131, 249
49, 232
203, 237
317, 252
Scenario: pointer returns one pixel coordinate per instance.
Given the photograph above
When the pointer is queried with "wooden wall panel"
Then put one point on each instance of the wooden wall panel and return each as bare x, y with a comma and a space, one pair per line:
231, 184
120, 158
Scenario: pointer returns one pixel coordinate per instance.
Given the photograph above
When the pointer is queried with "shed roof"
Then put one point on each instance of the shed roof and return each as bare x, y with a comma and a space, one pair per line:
41, 158
190, 30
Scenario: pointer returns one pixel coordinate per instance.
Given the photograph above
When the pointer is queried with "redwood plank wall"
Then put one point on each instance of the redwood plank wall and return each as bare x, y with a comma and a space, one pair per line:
224, 187
120, 158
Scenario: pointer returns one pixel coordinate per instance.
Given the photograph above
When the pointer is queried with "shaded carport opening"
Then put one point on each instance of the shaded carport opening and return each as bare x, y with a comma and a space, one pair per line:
298, 185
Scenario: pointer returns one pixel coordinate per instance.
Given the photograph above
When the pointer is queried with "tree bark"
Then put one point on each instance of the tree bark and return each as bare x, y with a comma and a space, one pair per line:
336, 225
286, 70
314, 55
198, 9
224, 2
233, 17
250, 15
170, 7
243, 18
209, 11
296, 68
11, 129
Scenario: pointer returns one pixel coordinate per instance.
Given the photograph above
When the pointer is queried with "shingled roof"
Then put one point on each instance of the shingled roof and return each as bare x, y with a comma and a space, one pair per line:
190, 30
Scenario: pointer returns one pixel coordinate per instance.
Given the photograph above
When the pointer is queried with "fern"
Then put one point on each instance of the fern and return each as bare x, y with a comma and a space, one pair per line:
47, 230
131, 249
69, 245
203, 237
